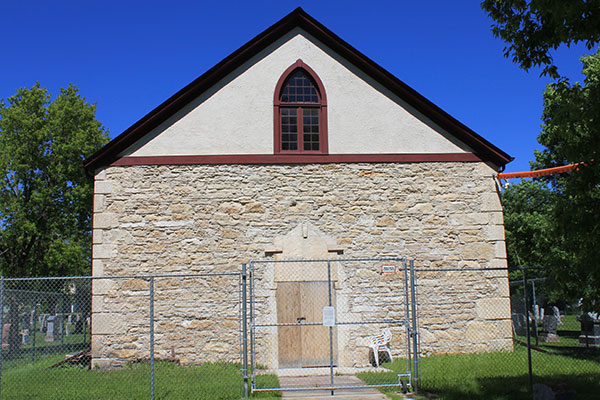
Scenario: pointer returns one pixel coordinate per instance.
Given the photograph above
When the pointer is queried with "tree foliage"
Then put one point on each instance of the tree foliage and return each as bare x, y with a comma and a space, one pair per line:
527, 219
533, 28
571, 134
45, 194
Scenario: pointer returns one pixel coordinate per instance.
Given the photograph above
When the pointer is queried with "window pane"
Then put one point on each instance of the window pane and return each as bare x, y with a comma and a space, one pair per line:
299, 88
310, 129
289, 126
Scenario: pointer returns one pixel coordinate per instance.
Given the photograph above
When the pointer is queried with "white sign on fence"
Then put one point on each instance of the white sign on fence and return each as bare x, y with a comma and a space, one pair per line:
328, 316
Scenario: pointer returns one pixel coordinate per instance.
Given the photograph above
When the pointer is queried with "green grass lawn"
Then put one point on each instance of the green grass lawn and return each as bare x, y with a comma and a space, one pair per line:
505, 375
451, 377
205, 381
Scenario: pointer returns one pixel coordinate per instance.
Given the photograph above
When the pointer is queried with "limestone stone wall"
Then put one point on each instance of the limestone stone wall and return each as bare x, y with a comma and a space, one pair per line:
212, 218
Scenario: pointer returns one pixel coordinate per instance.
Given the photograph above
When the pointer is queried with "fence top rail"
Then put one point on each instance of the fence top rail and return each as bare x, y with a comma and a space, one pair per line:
299, 260
143, 276
507, 269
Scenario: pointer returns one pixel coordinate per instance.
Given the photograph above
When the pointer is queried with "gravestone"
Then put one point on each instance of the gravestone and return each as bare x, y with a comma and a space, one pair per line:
43, 322
520, 324
549, 329
5, 333
50, 322
78, 325
556, 312
25, 336
590, 330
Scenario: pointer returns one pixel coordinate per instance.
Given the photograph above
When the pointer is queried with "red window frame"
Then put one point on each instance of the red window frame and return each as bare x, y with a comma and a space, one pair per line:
321, 106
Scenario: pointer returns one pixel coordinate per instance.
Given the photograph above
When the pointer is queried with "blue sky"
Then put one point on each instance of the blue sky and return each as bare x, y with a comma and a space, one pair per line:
129, 56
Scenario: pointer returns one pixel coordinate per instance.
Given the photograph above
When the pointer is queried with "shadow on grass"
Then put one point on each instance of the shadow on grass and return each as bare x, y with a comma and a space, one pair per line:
587, 386
576, 353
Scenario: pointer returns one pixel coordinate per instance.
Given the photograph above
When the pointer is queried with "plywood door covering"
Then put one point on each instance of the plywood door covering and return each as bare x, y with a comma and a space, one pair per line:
303, 346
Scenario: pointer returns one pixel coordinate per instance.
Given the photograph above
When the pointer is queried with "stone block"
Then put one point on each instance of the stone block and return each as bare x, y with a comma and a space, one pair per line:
97, 236
477, 251
100, 174
99, 200
480, 331
98, 304
496, 218
493, 308
386, 221
469, 219
103, 187
136, 284
108, 324
97, 267
103, 251
491, 202
494, 232
102, 286
500, 249
231, 208
105, 220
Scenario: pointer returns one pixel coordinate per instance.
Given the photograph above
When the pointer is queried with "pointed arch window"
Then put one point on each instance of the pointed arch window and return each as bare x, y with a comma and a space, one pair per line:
300, 111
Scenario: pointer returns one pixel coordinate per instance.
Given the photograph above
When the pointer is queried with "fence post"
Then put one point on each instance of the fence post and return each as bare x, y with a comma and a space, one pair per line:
330, 328
414, 326
152, 338
1, 325
527, 308
251, 295
408, 323
244, 331
34, 330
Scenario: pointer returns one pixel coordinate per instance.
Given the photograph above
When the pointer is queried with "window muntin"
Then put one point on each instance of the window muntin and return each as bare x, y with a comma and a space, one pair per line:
299, 88
299, 107
289, 129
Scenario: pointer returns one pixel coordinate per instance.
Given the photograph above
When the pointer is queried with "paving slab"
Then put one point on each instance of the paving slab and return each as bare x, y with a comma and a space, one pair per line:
322, 394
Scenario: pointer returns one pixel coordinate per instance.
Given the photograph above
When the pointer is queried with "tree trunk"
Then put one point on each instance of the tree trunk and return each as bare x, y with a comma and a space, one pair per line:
14, 338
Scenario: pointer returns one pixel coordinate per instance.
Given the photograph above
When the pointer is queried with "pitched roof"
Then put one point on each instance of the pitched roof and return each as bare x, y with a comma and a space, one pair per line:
296, 19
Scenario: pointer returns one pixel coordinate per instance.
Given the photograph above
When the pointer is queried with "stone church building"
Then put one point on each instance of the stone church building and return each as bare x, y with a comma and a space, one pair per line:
295, 133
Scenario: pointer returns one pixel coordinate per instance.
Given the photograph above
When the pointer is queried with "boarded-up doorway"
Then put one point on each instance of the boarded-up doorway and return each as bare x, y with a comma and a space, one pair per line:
307, 343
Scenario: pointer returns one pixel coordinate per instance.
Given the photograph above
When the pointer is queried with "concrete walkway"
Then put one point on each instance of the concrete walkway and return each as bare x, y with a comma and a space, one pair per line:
339, 394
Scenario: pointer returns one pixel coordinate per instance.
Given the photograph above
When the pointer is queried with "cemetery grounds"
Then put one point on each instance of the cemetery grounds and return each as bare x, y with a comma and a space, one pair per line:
453, 376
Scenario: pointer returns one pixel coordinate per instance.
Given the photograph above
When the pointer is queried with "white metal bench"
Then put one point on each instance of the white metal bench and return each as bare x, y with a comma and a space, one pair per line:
381, 343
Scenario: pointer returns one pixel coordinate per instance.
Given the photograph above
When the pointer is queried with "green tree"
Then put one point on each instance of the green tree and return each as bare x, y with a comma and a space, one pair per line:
527, 218
570, 131
571, 134
533, 28
45, 195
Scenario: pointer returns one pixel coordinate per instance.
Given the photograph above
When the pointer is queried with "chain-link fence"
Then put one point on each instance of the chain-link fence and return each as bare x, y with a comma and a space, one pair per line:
478, 333
495, 334
131, 337
331, 324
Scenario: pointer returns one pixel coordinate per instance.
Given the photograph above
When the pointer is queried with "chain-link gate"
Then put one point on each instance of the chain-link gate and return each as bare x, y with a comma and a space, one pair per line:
332, 324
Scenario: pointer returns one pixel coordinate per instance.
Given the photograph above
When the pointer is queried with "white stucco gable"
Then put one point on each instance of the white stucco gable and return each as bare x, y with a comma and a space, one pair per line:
236, 115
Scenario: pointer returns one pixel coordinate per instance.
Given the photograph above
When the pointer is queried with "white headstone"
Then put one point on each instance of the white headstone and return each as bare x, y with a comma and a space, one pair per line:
50, 329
